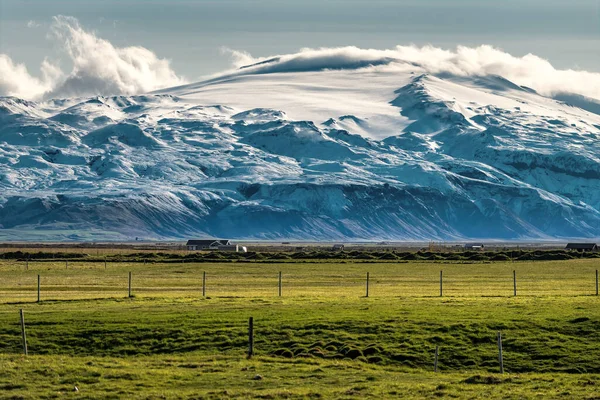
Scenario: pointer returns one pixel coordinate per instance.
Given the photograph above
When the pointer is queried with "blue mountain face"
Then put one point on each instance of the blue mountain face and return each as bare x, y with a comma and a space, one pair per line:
461, 158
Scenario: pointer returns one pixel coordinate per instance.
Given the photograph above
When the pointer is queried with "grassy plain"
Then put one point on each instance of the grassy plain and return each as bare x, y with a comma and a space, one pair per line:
322, 338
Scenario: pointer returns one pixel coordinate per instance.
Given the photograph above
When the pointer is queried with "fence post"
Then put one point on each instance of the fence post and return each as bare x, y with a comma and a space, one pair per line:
130, 284
596, 282
204, 284
500, 358
27, 264
279, 283
367, 285
515, 282
66, 264
39, 279
23, 332
441, 283
250, 337
435, 363
104, 262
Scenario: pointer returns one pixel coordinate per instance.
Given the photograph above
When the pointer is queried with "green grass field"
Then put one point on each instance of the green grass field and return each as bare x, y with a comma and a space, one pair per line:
323, 338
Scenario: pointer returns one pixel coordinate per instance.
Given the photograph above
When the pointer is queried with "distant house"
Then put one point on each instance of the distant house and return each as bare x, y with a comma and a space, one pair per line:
582, 247
206, 244
338, 247
474, 246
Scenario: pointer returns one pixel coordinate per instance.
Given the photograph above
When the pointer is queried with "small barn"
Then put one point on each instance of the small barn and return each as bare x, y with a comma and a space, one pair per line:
582, 247
475, 246
206, 244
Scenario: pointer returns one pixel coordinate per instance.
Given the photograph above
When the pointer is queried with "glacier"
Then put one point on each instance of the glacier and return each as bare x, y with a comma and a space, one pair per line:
367, 150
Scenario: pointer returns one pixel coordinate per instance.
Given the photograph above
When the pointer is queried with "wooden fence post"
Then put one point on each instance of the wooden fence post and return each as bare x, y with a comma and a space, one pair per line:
435, 363
596, 282
67, 264
515, 282
23, 332
250, 337
39, 280
441, 283
279, 283
500, 357
27, 264
130, 284
367, 294
104, 262
204, 284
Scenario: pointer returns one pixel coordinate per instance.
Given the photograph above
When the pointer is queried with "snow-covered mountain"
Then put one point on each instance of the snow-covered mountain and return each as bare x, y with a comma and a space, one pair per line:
273, 150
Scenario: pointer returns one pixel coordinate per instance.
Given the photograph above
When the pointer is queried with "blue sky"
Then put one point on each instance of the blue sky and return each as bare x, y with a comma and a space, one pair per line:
191, 33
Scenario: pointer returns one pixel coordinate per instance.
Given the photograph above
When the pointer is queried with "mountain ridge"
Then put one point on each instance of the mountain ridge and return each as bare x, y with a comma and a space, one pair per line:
360, 153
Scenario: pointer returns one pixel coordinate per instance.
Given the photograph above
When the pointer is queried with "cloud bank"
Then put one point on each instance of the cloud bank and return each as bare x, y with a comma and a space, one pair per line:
529, 70
99, 68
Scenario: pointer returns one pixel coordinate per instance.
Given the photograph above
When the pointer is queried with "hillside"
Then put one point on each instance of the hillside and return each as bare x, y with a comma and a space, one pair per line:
276, 150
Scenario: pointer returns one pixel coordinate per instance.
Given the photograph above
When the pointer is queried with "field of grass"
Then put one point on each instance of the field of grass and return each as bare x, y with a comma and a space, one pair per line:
321, 338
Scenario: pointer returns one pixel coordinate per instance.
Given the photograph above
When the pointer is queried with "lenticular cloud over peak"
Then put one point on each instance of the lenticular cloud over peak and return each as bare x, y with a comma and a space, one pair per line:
99, 68
529, 70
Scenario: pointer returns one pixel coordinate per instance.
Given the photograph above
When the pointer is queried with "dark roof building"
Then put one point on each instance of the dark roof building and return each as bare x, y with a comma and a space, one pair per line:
582, 246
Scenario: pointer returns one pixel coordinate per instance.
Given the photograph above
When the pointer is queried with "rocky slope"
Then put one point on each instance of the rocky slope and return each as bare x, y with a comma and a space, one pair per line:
331, 154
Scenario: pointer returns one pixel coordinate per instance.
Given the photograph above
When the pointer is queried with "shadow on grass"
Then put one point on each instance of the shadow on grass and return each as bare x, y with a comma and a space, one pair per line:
71, 301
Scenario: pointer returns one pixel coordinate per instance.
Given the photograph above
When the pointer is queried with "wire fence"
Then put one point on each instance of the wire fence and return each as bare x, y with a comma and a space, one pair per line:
72, 280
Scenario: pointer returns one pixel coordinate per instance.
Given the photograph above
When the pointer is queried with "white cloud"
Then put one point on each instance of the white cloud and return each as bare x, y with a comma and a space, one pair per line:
530, 70
15, 80
239, 58
99, 68
32, 24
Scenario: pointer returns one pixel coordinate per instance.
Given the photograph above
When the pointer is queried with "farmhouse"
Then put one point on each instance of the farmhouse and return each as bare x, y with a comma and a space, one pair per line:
206, 244
582, 247
475, 246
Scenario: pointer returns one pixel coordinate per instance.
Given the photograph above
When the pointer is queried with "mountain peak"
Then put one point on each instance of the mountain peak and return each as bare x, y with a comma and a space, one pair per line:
400, 156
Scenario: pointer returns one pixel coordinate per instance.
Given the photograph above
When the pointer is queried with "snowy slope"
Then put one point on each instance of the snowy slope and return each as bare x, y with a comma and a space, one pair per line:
356, 152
